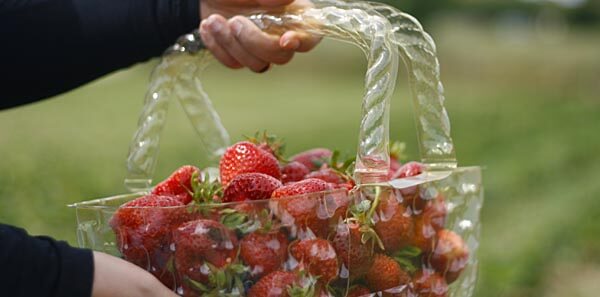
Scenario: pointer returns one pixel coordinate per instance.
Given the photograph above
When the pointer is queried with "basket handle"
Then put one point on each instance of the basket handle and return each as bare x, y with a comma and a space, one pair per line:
178, 76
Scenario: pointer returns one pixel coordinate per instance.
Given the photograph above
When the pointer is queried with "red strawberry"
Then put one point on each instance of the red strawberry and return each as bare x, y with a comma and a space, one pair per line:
314, 158
358, 291
178, 184
274, 284
250, 186
435, 213
293, 172
302, 212
200, 244
264, 252
394, 167
333, 177
356, 257
246, 157
318, 257
393, 223
327, 174
385, 274
143, 232
450, 255
424, 235
408, 170
427, 283
306, 186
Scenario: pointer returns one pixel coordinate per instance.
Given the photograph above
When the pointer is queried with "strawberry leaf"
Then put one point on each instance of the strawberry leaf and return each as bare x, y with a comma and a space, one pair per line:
408, 252
265, 218
406, 265
306, 287
196, 285
273, 144
232, 219
206, 191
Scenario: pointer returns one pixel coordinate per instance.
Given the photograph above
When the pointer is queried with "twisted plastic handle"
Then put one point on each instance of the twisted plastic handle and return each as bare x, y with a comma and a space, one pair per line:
365, 25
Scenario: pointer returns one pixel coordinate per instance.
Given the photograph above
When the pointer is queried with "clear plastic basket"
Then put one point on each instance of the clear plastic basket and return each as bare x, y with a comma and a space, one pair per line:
427, 224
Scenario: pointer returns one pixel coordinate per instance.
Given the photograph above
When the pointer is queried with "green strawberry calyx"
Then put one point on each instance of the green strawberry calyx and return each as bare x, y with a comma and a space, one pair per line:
261, 222
274, 143
305, 287
406, 258
224, 281
345, 168
206, 191
362, 214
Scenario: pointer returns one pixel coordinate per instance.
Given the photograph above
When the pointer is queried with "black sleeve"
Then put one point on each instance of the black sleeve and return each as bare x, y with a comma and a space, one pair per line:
51, 46
41, 266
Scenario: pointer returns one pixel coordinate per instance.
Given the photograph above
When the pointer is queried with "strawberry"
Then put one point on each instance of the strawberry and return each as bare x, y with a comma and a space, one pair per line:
327, 174
264, 252
393, 223
143, 232
201, 248
450, 255
274, 284
314, 158
424, 235
355, 256
250, 186
306, 186
359, 291
318, 257
302, 212
385, 274
246, 157
409, 169
293, 172
435, 212
427, 283
335, 179
178, 184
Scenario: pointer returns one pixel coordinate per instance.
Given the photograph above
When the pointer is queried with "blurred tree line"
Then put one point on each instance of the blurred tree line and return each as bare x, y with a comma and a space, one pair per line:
577, 12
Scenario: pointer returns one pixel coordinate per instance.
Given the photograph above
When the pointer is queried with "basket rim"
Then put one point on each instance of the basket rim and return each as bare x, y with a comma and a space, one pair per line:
100, 203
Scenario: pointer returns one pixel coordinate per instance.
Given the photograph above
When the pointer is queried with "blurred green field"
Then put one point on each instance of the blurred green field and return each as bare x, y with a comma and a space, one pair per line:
526, 109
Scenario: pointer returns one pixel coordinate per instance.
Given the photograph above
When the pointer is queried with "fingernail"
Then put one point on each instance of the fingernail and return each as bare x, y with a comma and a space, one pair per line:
291, 44
215, 26
237, 27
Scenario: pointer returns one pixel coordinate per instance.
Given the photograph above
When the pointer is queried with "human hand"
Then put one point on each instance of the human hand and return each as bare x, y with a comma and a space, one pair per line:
236, 42
114, 277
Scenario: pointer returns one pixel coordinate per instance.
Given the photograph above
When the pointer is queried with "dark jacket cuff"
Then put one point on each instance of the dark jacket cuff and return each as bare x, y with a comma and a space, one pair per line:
77, 264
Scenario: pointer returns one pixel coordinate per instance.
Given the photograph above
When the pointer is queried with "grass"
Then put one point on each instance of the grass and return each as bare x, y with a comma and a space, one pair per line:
526, 111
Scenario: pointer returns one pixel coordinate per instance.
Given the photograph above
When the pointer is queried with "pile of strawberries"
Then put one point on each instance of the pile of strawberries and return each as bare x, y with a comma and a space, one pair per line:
270, 226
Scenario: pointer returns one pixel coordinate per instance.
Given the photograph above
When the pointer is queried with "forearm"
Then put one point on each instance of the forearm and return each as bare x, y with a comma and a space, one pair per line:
115, 277
51, 46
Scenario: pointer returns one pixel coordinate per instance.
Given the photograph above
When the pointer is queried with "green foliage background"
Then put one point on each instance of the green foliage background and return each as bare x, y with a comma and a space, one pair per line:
523, 104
